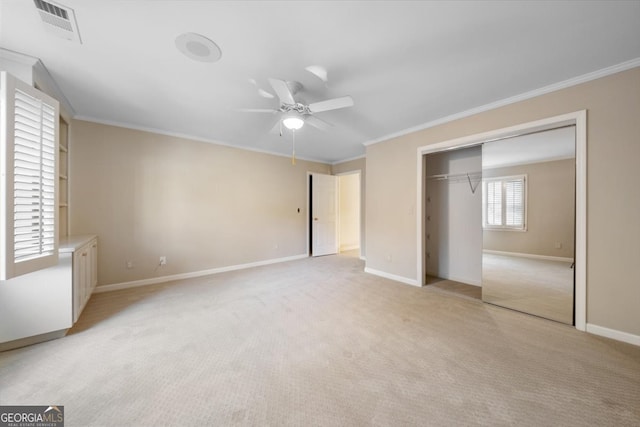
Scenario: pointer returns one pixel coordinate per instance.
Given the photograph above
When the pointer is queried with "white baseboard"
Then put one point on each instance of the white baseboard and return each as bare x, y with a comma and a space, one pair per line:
395, 277
162, 279
349, 248
531, 256
613, 334
36, 339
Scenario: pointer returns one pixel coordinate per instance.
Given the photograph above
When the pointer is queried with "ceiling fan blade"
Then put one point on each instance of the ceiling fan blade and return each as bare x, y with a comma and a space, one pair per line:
318, 123
256, 110
276, 129
282, 90
331, 104
263, 93
318, 71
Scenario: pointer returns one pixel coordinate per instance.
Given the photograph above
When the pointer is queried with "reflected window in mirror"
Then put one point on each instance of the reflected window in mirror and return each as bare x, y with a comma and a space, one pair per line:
504, 203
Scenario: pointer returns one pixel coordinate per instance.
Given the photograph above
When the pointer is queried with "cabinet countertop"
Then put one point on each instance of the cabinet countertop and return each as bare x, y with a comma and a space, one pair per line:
70, 244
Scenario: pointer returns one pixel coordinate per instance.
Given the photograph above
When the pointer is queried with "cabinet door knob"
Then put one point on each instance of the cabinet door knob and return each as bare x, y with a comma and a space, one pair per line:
84, 254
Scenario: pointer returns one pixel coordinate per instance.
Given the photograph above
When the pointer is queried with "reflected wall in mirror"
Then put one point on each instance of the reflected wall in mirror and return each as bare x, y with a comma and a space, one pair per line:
528, 217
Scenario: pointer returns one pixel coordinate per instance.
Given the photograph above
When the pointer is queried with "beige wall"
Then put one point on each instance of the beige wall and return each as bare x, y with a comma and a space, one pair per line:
613, 208
201, 205
352, 166
550, 210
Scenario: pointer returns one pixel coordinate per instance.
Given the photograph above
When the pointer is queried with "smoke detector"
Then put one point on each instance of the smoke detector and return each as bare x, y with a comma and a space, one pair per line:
58, 19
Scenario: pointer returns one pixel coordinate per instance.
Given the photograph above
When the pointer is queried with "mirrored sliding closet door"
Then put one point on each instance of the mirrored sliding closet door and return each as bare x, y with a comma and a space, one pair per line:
528, 222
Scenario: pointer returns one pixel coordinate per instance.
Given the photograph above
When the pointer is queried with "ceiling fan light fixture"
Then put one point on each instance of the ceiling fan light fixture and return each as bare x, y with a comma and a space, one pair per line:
293, 122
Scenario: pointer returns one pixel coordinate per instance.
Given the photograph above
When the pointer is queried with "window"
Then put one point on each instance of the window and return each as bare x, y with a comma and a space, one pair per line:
504, 203
28, 178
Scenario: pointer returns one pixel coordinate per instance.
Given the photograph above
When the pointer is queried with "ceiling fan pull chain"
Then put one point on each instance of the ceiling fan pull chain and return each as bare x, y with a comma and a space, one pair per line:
293, 147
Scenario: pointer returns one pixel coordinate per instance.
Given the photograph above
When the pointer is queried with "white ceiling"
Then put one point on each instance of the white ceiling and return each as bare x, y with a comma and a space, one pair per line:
404, 63
550, 145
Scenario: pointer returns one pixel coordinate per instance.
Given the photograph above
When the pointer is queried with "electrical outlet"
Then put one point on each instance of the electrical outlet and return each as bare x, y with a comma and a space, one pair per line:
558, 245
163, 260
129, 264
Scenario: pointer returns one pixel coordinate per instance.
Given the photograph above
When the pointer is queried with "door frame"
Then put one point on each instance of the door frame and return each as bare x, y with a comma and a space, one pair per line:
360, 222
360, 219
310, 213
577, 118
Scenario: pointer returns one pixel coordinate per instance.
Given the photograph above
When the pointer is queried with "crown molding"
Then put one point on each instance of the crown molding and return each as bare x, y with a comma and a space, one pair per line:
623, 66
41, 77
189, 137
18, 57
350, 159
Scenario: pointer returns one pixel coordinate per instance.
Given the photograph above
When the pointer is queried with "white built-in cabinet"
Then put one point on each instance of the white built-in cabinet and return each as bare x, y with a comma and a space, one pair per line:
63, 178
84, 262
42, 302
43, 305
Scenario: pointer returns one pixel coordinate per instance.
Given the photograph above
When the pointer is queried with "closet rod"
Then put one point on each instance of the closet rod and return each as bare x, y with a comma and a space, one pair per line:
453, 176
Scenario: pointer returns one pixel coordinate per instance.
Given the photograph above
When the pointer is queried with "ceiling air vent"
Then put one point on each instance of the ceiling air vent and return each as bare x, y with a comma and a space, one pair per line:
58, 19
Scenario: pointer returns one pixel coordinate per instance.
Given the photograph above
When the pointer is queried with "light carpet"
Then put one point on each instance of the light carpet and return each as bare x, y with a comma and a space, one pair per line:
536, 286
319, 342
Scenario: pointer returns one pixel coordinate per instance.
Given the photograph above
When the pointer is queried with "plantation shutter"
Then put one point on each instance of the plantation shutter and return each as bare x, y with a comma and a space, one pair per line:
29, 184
504, 203
514, 202
494, 203
33, 177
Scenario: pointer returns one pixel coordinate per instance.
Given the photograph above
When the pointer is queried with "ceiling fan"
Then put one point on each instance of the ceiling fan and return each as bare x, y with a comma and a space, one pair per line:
295, 114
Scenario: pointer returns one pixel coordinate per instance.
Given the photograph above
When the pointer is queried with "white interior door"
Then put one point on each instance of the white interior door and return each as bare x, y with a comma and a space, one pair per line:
324, 218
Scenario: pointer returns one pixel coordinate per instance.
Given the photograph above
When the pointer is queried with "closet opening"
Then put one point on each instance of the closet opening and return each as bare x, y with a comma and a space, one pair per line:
455, 231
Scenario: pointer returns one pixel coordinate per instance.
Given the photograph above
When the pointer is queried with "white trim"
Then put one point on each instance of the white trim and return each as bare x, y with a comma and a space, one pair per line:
190, 137
395, 277
350, 159
18, 57
307, 220
351, 172
530, 256
45, 81
623, 66
162, 279
36, 339
360, 208
579, 118
613, 334
40, 75
581, 222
